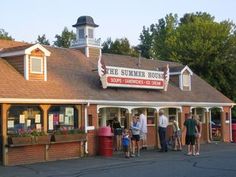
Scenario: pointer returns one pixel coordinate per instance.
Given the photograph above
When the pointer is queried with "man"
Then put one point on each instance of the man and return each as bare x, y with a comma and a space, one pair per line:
143, 130
163, 123
191, 128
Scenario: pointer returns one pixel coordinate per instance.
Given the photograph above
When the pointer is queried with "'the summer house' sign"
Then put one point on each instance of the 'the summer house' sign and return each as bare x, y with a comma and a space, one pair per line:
132, 78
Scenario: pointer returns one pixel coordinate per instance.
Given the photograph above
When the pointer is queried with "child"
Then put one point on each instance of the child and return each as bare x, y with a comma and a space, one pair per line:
126, 142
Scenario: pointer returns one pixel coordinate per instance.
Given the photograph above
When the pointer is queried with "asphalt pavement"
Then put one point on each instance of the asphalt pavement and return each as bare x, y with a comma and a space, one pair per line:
215, 160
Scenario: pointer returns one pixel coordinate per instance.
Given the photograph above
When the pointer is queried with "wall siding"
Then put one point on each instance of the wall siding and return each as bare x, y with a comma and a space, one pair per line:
17, 62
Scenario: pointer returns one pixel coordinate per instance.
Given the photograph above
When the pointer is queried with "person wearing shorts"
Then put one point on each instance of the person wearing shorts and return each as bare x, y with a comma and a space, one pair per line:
143, 130
126, 143
135, 129
191, 128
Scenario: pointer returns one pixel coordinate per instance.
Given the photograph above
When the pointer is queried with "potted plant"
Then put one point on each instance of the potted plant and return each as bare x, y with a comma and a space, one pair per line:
21, 138
69, 135
40, 137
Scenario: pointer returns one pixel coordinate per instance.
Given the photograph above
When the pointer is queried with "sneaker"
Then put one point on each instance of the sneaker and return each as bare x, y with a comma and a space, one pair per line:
197, 153
132, 155
189, 153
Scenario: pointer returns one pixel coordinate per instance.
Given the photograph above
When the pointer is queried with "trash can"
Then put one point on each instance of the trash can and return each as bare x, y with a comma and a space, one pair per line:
105, 141
234, 132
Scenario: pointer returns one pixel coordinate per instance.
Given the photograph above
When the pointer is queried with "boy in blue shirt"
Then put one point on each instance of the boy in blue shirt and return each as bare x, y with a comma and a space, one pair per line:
126, 142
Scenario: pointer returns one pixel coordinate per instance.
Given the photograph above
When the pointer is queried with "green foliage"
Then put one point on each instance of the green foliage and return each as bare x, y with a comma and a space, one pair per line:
64, 40
119, 46
206, 46
4, 35
43, 40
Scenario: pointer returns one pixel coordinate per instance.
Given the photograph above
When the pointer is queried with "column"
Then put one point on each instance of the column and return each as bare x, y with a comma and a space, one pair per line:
208, 136
5, 108
157, 139
45, 125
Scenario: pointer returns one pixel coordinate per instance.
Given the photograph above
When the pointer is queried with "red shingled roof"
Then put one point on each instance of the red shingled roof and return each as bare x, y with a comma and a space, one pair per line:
72, 76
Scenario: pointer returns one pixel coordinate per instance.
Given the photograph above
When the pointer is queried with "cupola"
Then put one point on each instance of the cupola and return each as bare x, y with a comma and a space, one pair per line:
85, 37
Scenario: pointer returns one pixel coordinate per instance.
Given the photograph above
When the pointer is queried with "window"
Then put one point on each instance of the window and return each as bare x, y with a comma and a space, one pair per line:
24, 118
150, 116
186, 80
36, 65
173, 113
81, 33
90, 33
62, 117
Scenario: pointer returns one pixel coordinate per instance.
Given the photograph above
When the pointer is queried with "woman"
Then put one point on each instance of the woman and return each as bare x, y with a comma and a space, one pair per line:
177, 135
117, 132
135, 129
198, 135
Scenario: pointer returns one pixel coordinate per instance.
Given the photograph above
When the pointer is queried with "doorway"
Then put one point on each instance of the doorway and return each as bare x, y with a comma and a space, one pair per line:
216, 124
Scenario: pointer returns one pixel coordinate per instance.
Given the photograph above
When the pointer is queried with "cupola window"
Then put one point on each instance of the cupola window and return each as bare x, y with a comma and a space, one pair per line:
90, 33
81, 33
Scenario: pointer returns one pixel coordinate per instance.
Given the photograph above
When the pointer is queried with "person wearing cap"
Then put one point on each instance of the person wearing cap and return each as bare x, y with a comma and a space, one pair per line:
163, 123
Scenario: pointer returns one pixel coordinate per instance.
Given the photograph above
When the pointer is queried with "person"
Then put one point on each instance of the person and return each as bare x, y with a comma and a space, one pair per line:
177, 135
126, 142
191, 128
117, 133
163, 123
198, 135
135, 129
143, 130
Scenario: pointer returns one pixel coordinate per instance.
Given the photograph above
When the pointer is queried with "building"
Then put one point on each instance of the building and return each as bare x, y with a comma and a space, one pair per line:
48, 88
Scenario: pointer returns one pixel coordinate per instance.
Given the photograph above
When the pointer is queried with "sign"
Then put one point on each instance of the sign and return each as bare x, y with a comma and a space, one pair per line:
133, 78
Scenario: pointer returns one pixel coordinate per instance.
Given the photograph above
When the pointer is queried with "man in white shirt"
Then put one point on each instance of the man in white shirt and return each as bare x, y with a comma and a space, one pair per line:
143, 130
163, 123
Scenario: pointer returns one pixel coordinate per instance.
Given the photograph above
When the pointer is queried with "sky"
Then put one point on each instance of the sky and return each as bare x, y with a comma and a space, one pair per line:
24, 20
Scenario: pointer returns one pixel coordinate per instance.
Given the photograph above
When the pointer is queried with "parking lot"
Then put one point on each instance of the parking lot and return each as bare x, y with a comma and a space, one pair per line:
215, 160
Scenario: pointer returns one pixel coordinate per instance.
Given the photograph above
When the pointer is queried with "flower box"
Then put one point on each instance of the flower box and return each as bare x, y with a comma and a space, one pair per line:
20, 141
42, 139
69, 137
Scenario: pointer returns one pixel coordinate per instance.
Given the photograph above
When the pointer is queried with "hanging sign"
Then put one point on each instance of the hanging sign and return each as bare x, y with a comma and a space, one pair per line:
112, 76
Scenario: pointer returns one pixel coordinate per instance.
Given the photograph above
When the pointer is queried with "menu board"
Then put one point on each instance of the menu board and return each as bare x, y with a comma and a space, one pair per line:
55, 119
37, 118
50, 122
69, 111
10, 124
22, 119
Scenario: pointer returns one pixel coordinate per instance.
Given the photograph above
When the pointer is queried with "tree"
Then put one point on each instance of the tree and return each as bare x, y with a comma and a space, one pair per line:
43, 40
197, 40
4, 35
119, 46
64, 40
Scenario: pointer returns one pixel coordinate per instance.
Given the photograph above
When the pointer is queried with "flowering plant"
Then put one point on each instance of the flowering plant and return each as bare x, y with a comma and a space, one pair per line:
65, 131
28, 133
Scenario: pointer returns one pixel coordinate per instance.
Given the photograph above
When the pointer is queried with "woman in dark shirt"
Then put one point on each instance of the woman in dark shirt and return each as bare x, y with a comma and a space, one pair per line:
117, 133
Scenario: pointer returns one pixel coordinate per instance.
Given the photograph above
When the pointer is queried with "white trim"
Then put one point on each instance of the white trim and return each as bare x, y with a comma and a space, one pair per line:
45, 51
82, 46
45, 68
15, 53
180, 82
26, 67
90, 128
26, 51
187, 68
111, 102
175, 73
42, 64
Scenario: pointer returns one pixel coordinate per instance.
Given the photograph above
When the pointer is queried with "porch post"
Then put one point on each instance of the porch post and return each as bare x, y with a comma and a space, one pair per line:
207, 114
5, 108
157, 139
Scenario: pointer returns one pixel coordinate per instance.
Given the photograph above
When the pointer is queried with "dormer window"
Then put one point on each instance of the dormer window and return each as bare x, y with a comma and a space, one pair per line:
36, 65
90, 33
81, 33
186, 80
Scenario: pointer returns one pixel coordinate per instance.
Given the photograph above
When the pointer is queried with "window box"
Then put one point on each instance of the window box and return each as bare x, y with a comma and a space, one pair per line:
42, 139
69, 138
20, 141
